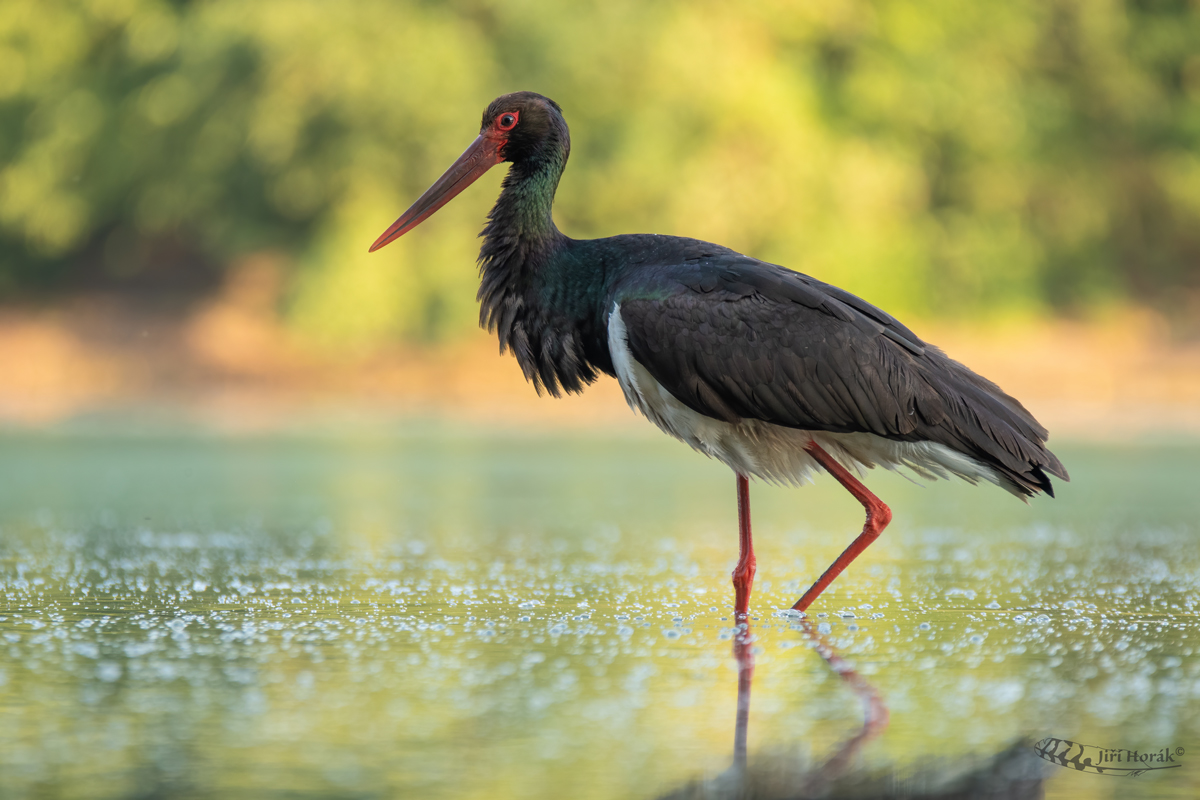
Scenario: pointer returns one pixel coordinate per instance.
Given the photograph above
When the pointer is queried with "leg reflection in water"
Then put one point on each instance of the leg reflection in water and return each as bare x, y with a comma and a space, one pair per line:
875, 713
1012, 774
743, 655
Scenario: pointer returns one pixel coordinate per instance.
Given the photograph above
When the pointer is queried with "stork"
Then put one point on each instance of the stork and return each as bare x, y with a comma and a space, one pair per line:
772, 372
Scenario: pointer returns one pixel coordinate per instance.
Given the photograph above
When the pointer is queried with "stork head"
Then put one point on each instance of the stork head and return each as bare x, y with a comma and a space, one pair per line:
521, 128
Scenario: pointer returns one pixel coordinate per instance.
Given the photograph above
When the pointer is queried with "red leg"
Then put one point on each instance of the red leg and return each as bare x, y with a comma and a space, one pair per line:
878, 517
743, 573
743, 581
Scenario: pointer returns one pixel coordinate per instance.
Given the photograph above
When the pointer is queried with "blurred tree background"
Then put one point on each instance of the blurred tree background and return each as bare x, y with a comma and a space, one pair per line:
941, 158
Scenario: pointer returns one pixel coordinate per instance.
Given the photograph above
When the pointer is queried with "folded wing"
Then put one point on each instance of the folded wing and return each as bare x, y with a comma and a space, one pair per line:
744, 339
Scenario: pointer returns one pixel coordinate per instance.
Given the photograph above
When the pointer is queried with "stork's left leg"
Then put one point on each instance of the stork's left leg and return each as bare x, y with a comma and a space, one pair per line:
743, 573
878, 517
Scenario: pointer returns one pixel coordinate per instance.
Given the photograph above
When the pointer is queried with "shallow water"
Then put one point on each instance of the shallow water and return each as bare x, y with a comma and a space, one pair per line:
433, 612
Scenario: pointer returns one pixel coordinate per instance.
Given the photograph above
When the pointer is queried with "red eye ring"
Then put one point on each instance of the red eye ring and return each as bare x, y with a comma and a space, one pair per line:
508, 120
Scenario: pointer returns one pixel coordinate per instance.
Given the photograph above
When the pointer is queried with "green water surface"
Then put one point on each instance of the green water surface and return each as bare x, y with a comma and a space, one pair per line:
425, 611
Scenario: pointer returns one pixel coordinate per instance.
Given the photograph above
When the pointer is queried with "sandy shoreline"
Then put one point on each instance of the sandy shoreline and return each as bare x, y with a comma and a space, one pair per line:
229, 363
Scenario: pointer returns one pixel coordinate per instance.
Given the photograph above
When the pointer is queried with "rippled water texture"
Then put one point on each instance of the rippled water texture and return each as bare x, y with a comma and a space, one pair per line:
436, 613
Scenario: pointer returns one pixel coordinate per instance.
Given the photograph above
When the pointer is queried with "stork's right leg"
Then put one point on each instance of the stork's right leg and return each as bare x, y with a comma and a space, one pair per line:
743, 581
878, 517
743, 573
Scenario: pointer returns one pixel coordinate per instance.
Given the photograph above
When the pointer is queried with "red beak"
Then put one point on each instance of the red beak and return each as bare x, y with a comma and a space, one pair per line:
482, 155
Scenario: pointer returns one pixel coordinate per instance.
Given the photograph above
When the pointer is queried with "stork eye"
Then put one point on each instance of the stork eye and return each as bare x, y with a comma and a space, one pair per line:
506, 122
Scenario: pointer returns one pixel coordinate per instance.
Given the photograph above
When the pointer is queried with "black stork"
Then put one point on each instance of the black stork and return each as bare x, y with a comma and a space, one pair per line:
772, 372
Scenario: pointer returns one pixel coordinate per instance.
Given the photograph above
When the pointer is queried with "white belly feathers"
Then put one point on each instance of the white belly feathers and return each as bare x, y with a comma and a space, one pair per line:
773, 452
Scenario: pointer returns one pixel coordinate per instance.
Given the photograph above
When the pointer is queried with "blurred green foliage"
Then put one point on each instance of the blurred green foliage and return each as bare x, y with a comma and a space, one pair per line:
938, 157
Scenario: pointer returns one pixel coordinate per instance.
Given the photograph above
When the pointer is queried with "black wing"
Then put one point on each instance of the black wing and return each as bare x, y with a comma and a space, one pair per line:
735, 338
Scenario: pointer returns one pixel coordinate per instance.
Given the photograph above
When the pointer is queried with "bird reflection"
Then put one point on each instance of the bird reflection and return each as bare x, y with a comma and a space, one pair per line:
1012, 774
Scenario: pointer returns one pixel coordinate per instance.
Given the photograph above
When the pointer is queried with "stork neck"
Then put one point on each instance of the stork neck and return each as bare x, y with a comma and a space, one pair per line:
520, 226
529, 198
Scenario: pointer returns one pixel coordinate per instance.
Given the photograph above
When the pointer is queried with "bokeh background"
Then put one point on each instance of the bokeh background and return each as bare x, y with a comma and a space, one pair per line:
277, 521
188, 189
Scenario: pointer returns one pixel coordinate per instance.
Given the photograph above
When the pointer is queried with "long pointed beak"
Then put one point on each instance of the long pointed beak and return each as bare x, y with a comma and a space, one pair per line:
482, 155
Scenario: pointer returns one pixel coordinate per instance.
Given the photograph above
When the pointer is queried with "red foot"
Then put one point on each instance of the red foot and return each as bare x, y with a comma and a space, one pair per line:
878, 517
